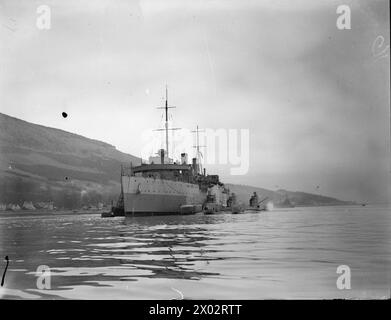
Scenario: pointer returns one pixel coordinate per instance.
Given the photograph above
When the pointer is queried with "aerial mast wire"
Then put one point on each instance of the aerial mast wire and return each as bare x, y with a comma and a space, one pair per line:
166, 124
166, 128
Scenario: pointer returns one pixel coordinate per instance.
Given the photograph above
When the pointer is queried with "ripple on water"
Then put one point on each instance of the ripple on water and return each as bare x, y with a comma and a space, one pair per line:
280, 254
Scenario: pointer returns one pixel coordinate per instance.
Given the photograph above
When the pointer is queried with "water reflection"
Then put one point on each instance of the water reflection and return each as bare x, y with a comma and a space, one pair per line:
162, 246
283, 254
97, 252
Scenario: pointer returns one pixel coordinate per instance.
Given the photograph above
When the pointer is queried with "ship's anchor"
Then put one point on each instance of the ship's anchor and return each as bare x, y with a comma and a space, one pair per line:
138, 189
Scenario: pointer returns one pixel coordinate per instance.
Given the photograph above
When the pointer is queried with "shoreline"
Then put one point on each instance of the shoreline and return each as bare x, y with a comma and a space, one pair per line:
23, 213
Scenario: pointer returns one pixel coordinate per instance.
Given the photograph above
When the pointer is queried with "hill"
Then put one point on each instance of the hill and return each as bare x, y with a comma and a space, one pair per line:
285, 198
39, 163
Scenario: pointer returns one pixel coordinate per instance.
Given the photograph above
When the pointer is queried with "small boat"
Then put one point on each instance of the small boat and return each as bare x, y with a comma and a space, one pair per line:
109, 214
116, 211
255, 205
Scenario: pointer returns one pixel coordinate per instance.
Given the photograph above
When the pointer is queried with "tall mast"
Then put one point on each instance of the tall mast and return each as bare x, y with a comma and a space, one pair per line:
167, 122
198, 145
166, 107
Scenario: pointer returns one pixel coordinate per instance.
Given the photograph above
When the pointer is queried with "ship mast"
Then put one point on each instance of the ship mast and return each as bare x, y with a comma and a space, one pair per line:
166, 124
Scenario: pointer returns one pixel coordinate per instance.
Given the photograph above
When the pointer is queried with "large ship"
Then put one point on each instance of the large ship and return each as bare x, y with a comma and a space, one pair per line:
163, 186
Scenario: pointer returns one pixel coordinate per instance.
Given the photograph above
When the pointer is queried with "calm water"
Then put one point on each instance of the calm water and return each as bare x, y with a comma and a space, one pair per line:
287, 253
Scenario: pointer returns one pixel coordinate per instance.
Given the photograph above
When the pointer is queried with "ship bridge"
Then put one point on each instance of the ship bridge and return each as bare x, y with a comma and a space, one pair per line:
175, 171
161, 167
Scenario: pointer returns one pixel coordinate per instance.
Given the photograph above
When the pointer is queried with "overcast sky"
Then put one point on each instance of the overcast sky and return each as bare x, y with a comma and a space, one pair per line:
315, 98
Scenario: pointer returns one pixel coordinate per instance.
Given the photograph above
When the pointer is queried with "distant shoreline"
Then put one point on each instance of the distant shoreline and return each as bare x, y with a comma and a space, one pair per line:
22, 213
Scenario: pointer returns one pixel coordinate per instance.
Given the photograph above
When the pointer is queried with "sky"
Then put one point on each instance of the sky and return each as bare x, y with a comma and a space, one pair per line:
314, 99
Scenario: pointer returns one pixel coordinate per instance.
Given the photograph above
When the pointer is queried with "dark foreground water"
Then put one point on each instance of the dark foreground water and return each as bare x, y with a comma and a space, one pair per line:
287, 253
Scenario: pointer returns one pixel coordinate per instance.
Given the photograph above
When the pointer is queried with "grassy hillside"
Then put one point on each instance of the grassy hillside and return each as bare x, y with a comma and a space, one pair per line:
38, 163
281, 198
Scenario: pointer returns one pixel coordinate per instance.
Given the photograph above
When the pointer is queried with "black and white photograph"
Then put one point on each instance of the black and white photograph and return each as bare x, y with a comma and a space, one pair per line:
195, 150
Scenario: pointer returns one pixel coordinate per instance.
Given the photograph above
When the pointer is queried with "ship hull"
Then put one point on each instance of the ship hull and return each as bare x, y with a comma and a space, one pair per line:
136, 204
148, 196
